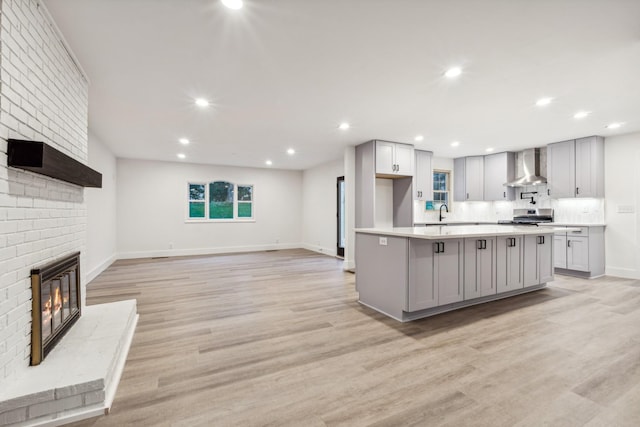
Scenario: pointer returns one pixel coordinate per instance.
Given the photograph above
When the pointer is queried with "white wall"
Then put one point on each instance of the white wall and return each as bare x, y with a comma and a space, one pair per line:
319, 207
101, 210
44, 98
152, 207
622, 189
350, 190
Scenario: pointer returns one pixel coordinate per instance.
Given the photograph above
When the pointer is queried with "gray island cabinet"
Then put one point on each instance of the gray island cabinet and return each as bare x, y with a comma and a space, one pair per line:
410, 273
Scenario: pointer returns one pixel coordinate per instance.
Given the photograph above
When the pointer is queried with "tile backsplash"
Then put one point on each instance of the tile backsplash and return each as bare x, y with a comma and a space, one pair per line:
565, 210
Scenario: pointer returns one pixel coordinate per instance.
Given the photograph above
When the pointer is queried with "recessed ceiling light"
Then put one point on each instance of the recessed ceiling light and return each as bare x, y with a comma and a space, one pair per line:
268, 163
455, 143
453, 72
291, 151
183, 141
233, 4
489, 150
182, 156
543, 101
201, 102
419, 138
581, 114
344, 126
614, 125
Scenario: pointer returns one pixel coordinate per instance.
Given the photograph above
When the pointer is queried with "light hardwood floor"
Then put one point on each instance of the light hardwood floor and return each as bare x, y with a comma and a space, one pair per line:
278, 339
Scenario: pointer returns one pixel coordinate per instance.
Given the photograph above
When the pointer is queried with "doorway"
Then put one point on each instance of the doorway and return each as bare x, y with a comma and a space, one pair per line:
340, 215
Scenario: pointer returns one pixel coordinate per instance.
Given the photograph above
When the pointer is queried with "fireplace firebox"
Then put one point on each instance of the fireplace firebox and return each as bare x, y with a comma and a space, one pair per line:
56, 304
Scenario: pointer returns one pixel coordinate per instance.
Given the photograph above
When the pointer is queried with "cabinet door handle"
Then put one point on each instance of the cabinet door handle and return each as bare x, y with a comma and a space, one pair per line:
548, 192
479, 244
577, 190
541, 240
484, 244
436, 247
441, 247
504, 194
568, 243
467, 196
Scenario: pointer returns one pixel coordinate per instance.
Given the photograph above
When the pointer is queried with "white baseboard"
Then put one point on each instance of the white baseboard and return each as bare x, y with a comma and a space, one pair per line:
207, 251
627, 273
320, 249
349, 265
100, 268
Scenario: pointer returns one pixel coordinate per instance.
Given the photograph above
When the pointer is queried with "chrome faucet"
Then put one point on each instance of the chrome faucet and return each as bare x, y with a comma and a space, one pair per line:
446, 207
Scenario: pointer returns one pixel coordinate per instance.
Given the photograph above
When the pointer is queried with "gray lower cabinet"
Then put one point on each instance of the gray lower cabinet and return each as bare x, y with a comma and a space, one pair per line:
580, 252
538, 255
382, 276
509, 260
422, 291
560, 250
479, 267
435, 273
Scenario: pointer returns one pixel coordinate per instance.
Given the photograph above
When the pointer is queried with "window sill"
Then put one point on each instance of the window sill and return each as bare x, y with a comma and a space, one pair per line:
214, 221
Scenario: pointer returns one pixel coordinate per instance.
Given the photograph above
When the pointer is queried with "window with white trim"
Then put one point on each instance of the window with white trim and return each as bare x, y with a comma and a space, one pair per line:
440, 188
220, 201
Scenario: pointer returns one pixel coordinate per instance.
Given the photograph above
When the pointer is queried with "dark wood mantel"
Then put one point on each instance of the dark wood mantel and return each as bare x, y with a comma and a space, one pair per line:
38, 157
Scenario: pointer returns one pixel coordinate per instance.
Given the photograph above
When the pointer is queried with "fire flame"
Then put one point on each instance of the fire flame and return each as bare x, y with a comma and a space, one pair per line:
57, 300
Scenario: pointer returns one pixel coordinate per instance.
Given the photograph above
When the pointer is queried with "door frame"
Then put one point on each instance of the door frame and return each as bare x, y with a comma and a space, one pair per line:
339, 219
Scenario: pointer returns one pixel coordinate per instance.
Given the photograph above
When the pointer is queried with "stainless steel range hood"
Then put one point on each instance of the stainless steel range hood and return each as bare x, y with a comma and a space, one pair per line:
531, 170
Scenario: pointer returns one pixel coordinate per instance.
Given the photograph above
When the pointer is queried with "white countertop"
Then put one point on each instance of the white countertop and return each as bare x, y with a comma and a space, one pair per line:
542, 224
573, 224
461, 231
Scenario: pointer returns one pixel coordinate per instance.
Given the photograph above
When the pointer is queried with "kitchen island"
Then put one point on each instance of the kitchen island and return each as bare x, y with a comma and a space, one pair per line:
409, 273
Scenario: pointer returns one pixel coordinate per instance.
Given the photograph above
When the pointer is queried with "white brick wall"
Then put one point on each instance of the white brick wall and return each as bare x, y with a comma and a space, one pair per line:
43, 97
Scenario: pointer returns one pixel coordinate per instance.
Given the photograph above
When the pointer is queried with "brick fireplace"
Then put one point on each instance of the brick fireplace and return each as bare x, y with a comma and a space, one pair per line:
55, 305
44, 97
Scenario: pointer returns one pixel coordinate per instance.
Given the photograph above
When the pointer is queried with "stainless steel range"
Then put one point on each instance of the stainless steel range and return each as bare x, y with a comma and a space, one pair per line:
529, 217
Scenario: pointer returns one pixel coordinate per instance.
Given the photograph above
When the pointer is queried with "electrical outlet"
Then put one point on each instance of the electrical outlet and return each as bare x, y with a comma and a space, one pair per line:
626, 208
383, 241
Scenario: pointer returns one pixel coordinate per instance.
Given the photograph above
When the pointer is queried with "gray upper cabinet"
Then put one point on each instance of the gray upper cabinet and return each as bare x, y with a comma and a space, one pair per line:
575, 168
423, 178
468, 178
393, 158
371, 156
561, 169
499, 168
590, 167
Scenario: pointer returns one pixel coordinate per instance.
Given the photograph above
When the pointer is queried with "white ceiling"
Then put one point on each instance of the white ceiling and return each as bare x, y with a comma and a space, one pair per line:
286, 73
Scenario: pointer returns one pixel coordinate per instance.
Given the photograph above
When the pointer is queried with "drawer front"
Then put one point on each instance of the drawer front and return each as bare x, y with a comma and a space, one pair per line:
584, 231
560, 233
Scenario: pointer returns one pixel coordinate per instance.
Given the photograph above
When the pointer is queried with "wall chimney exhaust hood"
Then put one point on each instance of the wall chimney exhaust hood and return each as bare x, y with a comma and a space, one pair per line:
38, 157
531, 170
